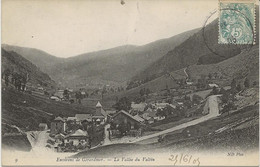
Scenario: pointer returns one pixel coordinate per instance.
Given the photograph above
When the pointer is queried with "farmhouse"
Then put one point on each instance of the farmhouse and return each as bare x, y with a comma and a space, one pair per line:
138, 107
83, 117
58, 125
79, 137
59, 138
123, 117
43, 126
151, 115
213, 85
59, 94
163, 105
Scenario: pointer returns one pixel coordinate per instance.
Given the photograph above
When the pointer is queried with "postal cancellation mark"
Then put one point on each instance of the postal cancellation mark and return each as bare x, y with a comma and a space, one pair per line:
236, 22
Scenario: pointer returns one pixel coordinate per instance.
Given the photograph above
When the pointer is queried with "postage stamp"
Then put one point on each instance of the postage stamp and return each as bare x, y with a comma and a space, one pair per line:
236, 22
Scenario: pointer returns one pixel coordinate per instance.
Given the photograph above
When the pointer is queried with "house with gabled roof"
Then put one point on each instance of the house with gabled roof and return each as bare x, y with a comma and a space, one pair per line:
43, 126
123, 117
83, 117
59, 138
138, 107
58, 125
76, 138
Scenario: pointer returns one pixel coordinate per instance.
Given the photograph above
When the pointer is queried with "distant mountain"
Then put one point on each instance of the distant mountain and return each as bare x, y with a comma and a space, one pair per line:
41, 59
201, 48
117, 64
17, 63
241, 66
111, 66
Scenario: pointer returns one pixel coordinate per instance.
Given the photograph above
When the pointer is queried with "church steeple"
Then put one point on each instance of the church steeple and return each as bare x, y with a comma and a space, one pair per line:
98, 108
98, 105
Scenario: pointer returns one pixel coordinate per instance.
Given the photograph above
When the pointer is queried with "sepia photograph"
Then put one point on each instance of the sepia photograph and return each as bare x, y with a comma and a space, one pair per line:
130, 82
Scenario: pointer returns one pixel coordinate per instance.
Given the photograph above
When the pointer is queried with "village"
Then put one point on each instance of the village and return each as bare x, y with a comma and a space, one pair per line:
128, 121
84, 131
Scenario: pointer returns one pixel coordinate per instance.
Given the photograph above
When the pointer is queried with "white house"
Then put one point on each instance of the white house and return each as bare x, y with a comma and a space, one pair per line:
213, 85
77, 137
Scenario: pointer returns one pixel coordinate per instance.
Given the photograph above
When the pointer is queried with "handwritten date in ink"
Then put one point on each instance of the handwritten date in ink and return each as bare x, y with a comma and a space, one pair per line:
184, 159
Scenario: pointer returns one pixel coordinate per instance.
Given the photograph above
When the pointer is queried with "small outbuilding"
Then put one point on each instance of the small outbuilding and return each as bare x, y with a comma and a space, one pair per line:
43, 126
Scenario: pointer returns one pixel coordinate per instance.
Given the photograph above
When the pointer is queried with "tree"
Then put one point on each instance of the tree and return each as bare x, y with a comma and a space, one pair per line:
142, 92
222, 91
239, 88
6, 74
166, 87
255, 83
112, 90
123, 104
196, 99
148, 91
78, 96
202, 83
210, 76
214, 90
247, 83
228, 107
66, 94
233, 85
159, 113
187, 103
225, 97
187, 98
139, 99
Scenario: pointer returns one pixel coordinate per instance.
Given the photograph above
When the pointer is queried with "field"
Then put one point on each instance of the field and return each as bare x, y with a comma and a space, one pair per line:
155, 85
27, 111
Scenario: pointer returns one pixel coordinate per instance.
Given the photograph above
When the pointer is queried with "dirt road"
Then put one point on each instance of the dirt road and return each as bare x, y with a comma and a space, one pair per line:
38, 145
106, 139
213, 112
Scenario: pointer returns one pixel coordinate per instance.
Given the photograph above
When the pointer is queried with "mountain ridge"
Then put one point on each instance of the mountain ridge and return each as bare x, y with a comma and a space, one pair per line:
194, 51
16, 63
116, 65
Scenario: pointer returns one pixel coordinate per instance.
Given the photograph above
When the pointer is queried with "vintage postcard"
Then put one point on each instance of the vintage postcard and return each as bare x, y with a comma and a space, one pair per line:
130, 82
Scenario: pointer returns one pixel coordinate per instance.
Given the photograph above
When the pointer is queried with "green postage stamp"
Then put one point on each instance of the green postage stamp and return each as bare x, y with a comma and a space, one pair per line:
236, 22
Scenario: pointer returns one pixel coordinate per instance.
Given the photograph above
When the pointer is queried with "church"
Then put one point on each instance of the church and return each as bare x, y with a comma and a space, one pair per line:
100, 116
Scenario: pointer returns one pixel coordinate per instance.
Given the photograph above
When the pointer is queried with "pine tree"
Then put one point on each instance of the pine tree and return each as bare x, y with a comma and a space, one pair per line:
233, 84
246, 83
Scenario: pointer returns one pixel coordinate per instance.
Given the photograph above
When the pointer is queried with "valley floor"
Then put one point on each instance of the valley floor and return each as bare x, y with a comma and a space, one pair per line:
238, 131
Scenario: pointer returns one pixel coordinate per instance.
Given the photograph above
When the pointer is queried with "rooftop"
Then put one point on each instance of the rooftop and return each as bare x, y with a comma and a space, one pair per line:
82, 117
71, 118
78, 133
98, 104
140, 119
42, 124
139, 107
59, 119
127, 114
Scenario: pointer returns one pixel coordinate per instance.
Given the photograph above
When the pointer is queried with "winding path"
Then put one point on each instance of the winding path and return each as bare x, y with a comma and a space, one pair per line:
186, 72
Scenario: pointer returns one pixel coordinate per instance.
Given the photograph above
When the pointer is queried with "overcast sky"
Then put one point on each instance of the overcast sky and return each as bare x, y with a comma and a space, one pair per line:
67, 28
